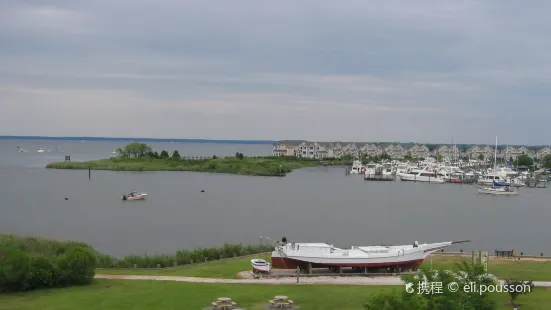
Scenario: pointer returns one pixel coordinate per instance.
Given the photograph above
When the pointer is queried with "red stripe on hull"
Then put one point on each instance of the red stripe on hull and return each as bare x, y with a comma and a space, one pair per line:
289, 263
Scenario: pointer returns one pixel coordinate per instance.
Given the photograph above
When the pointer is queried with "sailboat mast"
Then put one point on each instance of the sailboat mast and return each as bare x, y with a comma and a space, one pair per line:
495, 156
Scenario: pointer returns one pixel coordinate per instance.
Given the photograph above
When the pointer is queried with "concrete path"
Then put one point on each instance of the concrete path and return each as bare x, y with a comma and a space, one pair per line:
309, 280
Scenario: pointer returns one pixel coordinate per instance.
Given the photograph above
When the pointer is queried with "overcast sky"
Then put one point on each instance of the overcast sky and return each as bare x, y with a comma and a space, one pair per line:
422, 71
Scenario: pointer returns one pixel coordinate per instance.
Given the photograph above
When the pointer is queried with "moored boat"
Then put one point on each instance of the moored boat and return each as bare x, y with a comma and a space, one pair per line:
260, 265
134, 196
321, 255
497, 189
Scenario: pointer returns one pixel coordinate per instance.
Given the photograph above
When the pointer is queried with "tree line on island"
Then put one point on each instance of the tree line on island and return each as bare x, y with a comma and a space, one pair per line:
141, 157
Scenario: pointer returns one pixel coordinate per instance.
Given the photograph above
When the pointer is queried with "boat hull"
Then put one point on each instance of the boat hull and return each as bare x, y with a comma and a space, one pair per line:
415, 178
500, 193
261, 266
293, 263
138, 197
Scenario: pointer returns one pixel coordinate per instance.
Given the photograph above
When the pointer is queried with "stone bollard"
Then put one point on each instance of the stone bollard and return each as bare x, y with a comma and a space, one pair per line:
135, 266
175, 264
158, 265
191, 261
206, 258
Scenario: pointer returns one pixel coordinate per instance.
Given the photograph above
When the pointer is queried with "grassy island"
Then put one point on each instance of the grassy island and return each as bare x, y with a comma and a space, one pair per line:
140, 157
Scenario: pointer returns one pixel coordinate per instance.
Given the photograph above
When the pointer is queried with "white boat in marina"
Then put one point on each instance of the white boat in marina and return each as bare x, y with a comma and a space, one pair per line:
134, 196
491, 178
260, 266
497, 190
357, 167
40, 150
370, 169
421, 175
23, 150
290, 255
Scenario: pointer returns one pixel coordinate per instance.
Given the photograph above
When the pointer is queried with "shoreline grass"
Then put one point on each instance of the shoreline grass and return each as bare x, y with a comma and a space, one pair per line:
145, 295
255, 166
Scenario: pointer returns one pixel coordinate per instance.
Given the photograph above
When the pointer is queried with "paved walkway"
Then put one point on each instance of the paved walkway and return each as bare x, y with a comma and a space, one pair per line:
309, 280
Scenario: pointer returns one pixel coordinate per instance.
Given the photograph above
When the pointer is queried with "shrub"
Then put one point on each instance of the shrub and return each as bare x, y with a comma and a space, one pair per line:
43, 273
77, 266
14, 270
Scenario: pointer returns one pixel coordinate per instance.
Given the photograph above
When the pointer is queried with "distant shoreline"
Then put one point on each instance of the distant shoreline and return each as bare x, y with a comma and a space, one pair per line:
136, 139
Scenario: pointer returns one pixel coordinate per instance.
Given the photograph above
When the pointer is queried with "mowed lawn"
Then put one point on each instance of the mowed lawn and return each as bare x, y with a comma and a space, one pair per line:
166, 295
536, 270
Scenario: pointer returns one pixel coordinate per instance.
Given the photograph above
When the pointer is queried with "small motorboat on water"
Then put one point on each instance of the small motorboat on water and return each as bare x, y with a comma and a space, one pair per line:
497, 189
40, 150
260, 266
134, 196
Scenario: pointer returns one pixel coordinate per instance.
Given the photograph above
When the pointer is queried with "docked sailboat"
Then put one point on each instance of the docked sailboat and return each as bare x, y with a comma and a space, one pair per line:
498, 189
290, 255
260, 266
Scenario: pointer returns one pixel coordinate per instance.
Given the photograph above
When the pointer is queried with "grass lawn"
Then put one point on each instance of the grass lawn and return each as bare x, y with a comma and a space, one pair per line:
225, 269
524, 269
502, 268
142, 295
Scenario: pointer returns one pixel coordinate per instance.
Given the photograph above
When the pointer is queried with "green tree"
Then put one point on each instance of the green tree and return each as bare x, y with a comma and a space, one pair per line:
239, 155
515, 288
439, 157
164, 154
481, 157
214, 157
546, 162
134, 150
176, 154
525, 160
385, 156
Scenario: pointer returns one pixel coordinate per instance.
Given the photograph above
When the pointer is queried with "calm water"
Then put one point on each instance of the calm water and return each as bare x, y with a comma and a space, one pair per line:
317, 204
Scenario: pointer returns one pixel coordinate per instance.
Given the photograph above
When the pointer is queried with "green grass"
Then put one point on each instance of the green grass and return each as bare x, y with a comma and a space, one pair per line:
504, 269
224, 269
143, 295
535, 270
247, 166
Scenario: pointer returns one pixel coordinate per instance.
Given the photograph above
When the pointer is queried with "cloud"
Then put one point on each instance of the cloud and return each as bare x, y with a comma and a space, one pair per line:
355, 70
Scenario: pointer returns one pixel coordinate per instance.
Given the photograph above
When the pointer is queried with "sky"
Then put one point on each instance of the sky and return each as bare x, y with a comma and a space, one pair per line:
410, 71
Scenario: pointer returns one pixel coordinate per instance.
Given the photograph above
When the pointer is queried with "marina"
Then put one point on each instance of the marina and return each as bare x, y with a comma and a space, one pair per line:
312, 204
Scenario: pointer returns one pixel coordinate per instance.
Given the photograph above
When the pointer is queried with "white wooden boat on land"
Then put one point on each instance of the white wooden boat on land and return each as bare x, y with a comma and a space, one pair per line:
260, 265
290, 255
134, 196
